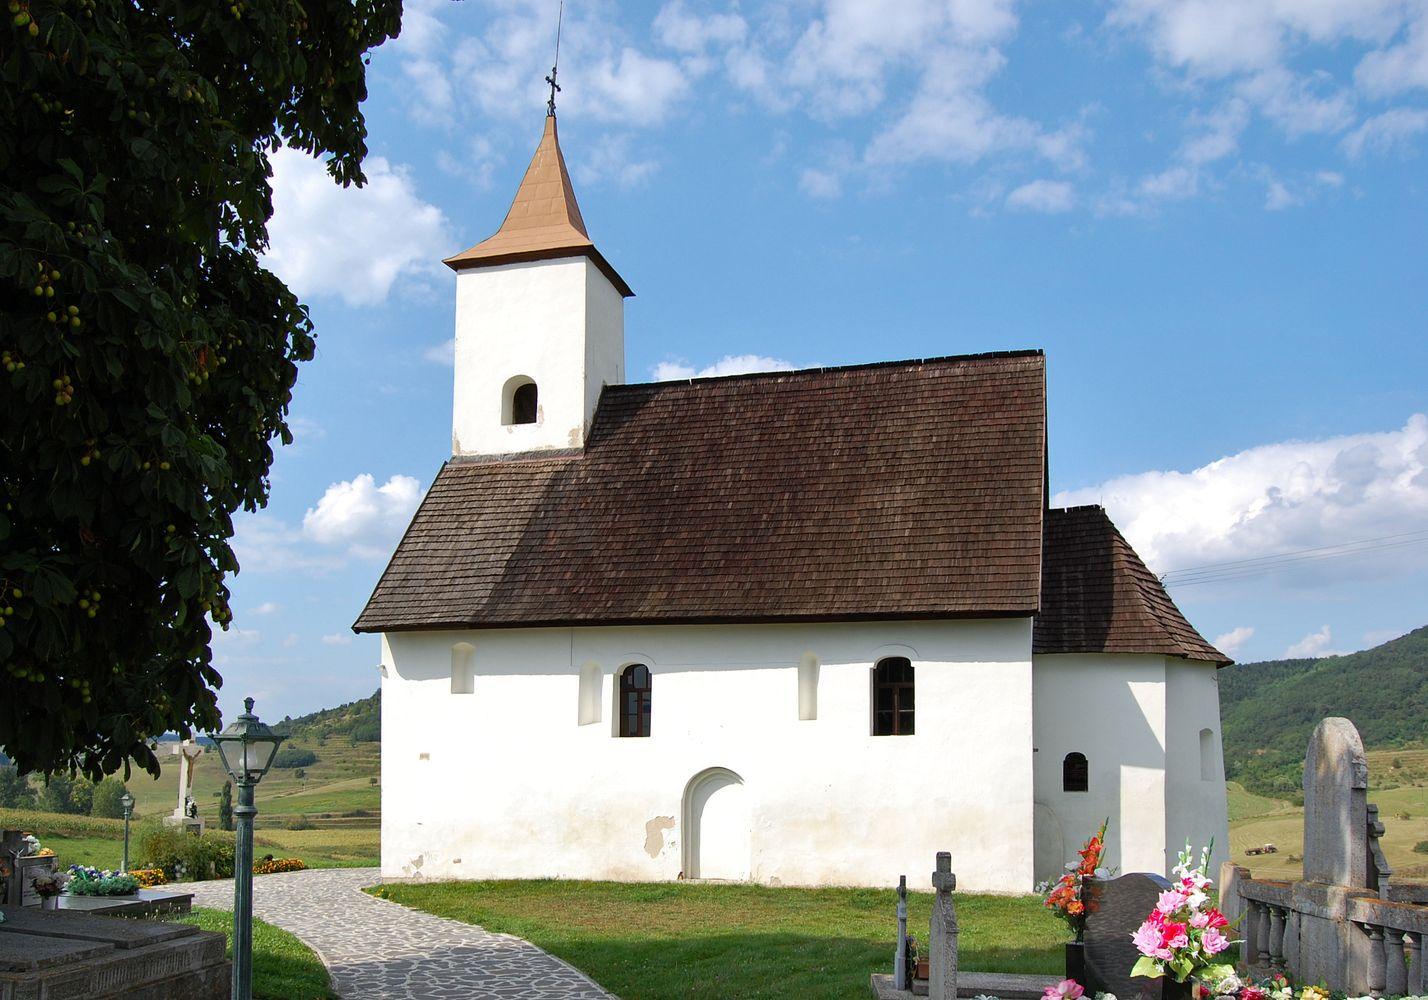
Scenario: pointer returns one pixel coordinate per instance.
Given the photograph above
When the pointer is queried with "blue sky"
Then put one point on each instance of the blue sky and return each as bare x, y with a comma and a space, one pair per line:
1211, 214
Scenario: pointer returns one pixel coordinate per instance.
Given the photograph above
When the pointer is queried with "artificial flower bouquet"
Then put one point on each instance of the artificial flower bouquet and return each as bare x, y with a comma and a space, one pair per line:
49, 884
1066, 898
1184, 932
85, 880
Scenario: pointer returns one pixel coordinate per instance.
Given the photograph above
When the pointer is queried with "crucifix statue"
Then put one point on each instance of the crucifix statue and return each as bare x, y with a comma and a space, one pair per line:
187, 752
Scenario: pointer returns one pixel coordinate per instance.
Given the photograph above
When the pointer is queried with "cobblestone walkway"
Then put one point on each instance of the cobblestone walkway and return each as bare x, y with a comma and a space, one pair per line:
379, 950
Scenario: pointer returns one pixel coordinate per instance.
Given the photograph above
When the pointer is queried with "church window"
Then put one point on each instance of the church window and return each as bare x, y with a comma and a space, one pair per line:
519, 401
808, 687
590, 683
1075, 773
1207, 755
463, 668
893, 713
634, 706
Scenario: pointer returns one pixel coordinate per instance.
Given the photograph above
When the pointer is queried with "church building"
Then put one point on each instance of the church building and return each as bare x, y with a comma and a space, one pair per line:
796, 628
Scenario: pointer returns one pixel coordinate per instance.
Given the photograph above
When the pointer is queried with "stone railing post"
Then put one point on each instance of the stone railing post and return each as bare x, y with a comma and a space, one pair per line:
901, 980
1249, 926
1276, 937
1376, 962
1417, 982
1261, 933
1395, 973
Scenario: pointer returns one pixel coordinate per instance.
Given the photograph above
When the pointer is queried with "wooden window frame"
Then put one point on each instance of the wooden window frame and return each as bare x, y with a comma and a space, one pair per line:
904, 696
518, 418
639, 725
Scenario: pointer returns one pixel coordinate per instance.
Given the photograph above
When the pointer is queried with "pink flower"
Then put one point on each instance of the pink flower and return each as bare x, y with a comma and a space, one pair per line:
1147, 938
1253, 993
1200, 921
1214, 941
1067, 989
1170, 901
1217, 919
1174, 936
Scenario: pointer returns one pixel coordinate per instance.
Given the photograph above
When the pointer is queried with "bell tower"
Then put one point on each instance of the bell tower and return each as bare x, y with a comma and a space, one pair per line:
540, 322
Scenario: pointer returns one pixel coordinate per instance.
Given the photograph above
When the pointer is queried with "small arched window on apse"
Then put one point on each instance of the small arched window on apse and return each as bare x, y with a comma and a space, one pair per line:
634, 702
590, 683
808, 688
463, 668
1207, 755
1075, 773
893, 705
519, 401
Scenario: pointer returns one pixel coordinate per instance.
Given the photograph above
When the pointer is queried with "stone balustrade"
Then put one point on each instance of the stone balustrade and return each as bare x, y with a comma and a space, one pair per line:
1355, 940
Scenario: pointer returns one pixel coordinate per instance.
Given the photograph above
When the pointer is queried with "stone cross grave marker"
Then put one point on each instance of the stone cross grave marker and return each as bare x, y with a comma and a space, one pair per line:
1336, 831
1115, 908
942, 936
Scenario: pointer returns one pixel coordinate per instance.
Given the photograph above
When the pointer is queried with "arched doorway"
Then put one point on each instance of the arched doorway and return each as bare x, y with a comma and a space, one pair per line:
716, 826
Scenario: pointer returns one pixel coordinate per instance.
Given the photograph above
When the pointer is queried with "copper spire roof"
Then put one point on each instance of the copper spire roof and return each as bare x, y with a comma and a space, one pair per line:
544, 220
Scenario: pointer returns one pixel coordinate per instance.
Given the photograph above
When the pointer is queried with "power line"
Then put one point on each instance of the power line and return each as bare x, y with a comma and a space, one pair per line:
1239, 569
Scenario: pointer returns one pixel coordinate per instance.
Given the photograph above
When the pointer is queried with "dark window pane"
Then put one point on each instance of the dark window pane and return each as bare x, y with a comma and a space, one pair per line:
523, 404
883, 723
893, 696
1075, 773
905, 722
885, 698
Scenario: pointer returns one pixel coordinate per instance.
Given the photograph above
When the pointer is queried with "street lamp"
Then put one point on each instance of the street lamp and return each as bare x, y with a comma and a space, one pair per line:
247, 748
127, 801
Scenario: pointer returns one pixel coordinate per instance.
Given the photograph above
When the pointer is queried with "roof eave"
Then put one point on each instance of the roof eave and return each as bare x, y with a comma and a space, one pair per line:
461, 262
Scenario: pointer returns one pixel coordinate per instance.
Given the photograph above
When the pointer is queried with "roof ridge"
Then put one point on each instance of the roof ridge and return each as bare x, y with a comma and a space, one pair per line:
1032, 352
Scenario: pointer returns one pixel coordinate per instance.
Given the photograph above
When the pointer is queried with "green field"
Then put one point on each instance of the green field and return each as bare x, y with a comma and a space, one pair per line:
1398, 785
670, 939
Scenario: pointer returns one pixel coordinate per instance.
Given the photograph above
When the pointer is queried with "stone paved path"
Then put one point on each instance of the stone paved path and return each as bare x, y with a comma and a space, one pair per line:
380, 950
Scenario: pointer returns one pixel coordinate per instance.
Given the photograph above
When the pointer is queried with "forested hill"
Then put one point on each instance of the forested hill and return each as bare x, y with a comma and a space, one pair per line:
357, 721
1269, 709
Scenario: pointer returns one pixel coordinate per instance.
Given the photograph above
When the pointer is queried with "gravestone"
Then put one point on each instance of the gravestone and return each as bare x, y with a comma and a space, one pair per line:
1115, 909
1336, 832
20, 868
942, 934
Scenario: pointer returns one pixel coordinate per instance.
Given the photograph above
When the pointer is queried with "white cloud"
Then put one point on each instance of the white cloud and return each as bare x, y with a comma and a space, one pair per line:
337, 639
1315, 644
363, 518
1378, 637
443, 353
1386, 132
730, 364
609, 158
1230, 642
1276, 499
1400, 67
680, 29
1043, 196
353, 243
822, 184
266, 608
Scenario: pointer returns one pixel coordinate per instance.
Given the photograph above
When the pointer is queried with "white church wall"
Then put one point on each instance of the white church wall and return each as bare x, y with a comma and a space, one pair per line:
1196, 805
557, 322
1111, 708
507, 782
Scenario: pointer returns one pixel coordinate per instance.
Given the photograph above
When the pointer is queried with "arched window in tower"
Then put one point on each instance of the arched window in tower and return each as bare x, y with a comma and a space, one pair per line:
893, 710
519, 401
1075, 773
634, 705
1207, 755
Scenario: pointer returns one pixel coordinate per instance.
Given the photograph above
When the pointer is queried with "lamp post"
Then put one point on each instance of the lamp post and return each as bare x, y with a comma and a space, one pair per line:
247, 748
127, 801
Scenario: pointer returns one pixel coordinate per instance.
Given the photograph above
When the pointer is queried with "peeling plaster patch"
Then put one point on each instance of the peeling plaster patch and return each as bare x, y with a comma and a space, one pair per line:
413, 868
654, 834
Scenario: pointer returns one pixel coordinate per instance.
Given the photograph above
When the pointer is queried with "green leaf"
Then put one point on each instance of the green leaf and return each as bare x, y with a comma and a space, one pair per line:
1147, 967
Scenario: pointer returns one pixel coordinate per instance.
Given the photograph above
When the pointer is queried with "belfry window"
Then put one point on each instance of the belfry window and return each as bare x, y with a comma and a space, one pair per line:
634, 706
519, 401
893, 710
1075, 773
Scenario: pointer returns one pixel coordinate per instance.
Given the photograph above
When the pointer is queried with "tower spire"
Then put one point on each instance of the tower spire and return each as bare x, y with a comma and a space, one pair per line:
555, 87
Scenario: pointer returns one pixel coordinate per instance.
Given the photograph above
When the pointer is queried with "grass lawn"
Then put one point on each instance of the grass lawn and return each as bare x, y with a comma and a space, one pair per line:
662, 940
283, 967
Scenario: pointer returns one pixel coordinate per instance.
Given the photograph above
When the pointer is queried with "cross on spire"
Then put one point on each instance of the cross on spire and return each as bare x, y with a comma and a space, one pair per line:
555, 87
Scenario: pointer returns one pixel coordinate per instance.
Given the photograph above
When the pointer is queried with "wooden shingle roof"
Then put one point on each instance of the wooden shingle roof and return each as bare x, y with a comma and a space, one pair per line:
1098, 597
901, 490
